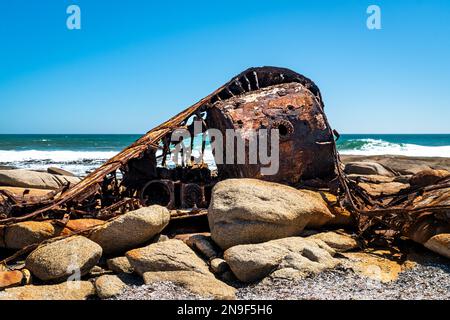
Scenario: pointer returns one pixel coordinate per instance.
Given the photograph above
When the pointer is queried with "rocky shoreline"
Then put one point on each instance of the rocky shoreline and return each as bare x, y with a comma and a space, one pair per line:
263, 241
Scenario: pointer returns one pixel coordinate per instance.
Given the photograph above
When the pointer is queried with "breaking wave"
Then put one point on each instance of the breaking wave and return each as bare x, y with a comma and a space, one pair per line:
371, 147
78, 162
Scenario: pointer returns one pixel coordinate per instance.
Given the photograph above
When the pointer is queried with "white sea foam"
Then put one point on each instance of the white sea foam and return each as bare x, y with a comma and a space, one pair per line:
208, 158
381, 147
78, 162
11, 156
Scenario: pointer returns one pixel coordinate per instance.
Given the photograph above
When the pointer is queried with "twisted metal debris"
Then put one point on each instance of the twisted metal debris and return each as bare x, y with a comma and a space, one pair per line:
309, 159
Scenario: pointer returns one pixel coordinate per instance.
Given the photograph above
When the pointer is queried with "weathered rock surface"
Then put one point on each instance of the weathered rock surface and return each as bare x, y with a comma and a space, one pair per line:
338, 241
218, 266
204, 285
342, 217
186, 237
440, 244
59, 171
60, 259
371, 178
372, 265
428, 177
289, 257
14, 278
77, 225
244, 211
367, 168
204, 245
131, 229
30, 192
119, 265
171, 255
72, 290
160, 238
390, 188
32, 179
98, 271
108, 286
426, 227
402, 179
22, 234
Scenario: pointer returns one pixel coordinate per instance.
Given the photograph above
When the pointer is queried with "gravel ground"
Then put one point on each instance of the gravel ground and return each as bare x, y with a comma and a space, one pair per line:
156, 291
425, 281
422, 282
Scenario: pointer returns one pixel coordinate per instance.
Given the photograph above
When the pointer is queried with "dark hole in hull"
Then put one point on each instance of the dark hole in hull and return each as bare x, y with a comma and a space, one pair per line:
156, 192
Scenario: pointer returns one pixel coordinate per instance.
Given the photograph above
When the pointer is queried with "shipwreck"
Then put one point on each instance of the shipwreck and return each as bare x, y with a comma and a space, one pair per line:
258, 98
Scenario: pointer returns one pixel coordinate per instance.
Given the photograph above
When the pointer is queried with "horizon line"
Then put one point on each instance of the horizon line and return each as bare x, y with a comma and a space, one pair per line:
141, 134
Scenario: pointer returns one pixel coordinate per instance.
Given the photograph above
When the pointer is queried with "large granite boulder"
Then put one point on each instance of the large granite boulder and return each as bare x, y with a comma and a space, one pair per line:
33, 179
246, 211
291, 258
61, 259
22, 234
170, 255
131, 229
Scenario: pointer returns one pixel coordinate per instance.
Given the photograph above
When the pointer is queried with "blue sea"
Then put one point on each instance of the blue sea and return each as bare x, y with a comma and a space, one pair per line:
83, 153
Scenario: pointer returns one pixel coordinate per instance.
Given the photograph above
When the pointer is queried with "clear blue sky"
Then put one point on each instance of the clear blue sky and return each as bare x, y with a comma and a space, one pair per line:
135, 63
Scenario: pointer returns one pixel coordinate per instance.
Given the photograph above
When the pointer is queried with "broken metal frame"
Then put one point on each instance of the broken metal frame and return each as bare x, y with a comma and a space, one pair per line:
68, 199
397, 214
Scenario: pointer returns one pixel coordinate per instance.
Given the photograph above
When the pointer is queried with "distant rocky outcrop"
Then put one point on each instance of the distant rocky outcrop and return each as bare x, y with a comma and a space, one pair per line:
367, 168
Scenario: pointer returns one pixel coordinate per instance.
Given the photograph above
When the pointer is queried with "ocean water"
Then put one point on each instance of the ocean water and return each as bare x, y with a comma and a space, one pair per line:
83, 153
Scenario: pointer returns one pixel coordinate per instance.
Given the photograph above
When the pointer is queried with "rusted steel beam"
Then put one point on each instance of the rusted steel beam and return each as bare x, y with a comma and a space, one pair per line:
266, 97
249, 80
